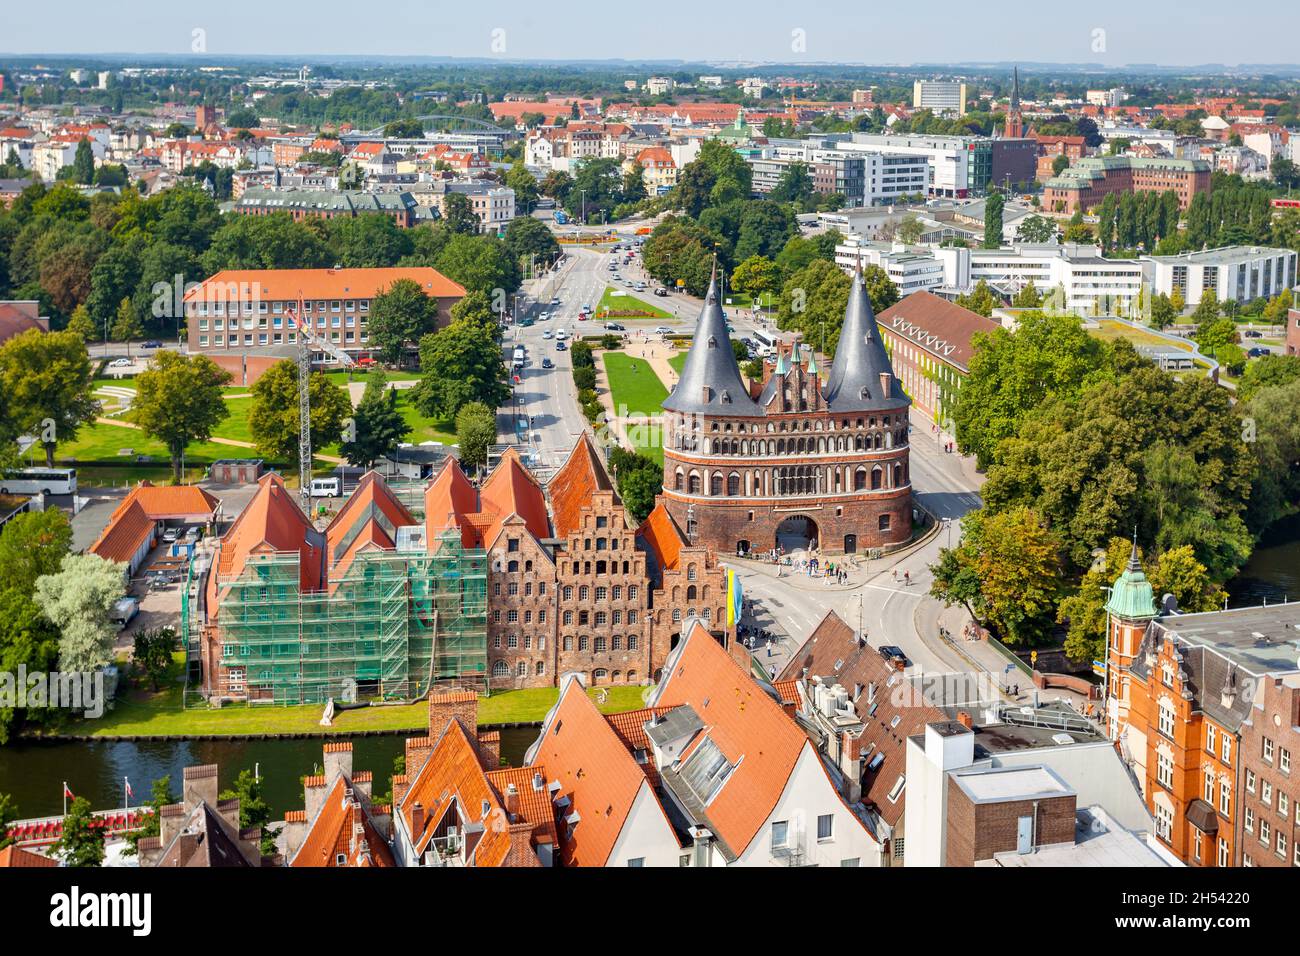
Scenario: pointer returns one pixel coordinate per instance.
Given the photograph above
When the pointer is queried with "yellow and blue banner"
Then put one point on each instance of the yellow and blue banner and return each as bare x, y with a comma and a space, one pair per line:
735, 599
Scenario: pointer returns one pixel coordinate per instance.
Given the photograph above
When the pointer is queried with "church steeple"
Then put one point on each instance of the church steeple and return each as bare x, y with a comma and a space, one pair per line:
1015, 126
862, 378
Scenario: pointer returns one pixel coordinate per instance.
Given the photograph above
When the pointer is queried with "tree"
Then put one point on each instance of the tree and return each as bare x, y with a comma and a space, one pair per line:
8, 814
160, 795
377, 424
1013, 373
793, 186
980, 300
527, 237
82, 324
756, 277
78, 600
370, 241
399, 315
33, 545
1268, 371
1036, 228
639, 478
179, 401
126, 326
910, 229
479, 263
458, 213
81, 843
45, 379
274, 420
152, 653
460, 364
1007, 571
993, 220
1214, 333
1163, 313
254, 811
476, 431
27, 639
1027, 298
83, 163
524, 184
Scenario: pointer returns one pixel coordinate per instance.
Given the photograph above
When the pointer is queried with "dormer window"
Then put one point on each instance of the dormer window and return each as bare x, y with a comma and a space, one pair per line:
863, 393
726, 397
712, 342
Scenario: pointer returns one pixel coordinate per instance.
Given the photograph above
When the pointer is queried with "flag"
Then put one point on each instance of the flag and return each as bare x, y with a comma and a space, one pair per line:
67, 792
735, 599
129, 791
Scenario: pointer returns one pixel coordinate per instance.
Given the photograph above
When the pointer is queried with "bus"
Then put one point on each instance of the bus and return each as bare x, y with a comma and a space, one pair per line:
33, 481
766, 342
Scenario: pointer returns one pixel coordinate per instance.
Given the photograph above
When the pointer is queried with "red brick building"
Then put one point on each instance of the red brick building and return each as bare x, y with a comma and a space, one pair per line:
1293, 332
1086, 183
799, 462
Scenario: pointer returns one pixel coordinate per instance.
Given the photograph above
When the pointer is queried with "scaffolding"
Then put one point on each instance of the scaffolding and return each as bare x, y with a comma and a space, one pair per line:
396, 623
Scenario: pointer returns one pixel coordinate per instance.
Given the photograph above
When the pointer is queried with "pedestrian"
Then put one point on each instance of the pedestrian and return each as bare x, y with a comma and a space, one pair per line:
895, 573
907, 578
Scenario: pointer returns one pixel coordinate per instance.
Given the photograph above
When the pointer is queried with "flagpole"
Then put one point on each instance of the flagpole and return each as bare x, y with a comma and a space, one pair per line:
65, 798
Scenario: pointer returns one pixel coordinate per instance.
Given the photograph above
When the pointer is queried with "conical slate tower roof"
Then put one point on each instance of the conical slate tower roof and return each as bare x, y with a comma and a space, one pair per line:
860, 358
710, 383
1015, 88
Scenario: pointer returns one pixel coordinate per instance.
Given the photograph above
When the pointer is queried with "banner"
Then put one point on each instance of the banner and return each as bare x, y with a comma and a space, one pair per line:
735, 599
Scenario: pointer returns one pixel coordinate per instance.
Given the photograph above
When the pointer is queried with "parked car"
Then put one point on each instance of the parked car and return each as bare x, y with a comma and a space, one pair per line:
1253, 334
170, 535
1257, 351
893, 654
120, 363
151, 344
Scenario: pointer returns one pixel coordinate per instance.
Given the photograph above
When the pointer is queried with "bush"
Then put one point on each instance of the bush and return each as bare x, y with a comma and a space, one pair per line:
584, 378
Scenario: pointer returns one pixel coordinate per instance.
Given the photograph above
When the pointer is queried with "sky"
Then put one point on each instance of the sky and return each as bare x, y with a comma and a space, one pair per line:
1106, 32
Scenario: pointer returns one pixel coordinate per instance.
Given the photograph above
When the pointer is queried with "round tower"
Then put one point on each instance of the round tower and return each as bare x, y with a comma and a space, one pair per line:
1131, 607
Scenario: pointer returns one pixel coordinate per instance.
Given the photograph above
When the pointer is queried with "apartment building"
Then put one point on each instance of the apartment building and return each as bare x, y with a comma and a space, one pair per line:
911, 270
1089, 283
308, 203
493, 205
930, 343
247, 313
959, 166
1230, 273
1203, 708
940, 96
1086, 183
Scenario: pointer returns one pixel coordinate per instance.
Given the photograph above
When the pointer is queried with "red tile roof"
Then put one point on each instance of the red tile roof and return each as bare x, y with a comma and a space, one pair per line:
924, 314
744, 722
13, 856
581, 750
126, 533
630, 727
176, 502
582, 474
512, 489
332, 833
448, 501
660, 534
19, 317
371, 498
290, 284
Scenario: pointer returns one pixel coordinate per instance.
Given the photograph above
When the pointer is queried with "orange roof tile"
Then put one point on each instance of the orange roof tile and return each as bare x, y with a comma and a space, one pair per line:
371, 504
581, 749
176, 502
660, 534
127, 530
535, 805
271, 524
14, 856
512, 489
290, 284
744, 722
331, 834
448, 500
630, 727
582, 474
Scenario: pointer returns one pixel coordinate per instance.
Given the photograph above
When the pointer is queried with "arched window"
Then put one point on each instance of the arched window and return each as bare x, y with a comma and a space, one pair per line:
600, 646
540, 669
694, 484
691, 573
500, 669
715, 484
877, 476
860, 480
677, 483
883, 523
733, 484
521, 669
691, 593
631, 677
599, 675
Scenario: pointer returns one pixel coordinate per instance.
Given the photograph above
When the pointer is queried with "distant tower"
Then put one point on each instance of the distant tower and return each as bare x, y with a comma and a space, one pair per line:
1015, 128
1130, 608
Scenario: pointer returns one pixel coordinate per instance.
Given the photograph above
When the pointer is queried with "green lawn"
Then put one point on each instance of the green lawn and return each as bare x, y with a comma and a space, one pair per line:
1115, 330
98, 442
628, 302
633, 385
142, 712
738, 300
678, 362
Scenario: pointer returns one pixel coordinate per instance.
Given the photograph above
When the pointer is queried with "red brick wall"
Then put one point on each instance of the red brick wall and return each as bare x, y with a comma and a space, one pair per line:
977, 831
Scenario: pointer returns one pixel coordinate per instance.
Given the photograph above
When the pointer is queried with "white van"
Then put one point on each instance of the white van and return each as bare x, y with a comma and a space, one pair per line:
327, 487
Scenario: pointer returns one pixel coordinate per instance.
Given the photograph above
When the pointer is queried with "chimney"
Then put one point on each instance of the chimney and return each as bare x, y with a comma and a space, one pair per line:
401, 784
448, 705
419, 817
338, 759
512, 801
885, 384
199, 786
965, 719
489, 749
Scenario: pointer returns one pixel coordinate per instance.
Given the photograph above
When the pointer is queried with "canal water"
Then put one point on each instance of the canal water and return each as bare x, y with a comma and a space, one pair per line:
33, 773
1273, 572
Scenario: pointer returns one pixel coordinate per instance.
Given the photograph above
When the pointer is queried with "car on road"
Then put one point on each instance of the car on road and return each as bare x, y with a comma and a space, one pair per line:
547, 333
661, 292
662, 330
555, 302
561, 334
586, 308
614, 327
1257, 351
560, 346
893, 654
543, 316
1253, 334
120, 363
151, 344
618, 276
547, 363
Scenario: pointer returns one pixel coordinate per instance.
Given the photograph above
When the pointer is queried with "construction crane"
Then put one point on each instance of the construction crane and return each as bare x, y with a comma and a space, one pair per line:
306, 339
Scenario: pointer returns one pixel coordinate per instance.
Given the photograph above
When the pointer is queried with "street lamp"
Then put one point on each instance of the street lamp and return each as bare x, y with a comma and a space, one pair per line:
947, 523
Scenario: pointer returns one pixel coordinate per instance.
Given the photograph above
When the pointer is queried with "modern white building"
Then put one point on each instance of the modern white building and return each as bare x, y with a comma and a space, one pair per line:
1236, 273
911, 270
947, 160
940, 96
660, 85
1091, 284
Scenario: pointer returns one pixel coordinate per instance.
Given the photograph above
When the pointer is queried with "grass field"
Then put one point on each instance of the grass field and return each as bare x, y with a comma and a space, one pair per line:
678, 362
628, 302
143, 712
1116, 330
633, 384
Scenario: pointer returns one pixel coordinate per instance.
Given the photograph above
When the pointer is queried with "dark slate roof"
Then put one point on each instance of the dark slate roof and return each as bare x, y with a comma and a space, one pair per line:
860, 358
710, 383
205, 840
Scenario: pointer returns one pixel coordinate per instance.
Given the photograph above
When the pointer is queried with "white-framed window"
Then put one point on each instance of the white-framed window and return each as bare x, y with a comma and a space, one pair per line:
1227, 748
780, 833
1209, 738
1166, 718
825, 827
1224, 858
1164, 822
1268, 749
1284, 756
1225, 797
1248, 821
1165, 770
1209, 787
1250, 781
